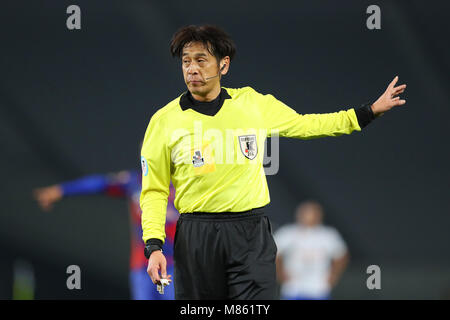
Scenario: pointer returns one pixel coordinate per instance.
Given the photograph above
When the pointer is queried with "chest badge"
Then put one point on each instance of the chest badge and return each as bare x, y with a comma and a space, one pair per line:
197, 159
248, 146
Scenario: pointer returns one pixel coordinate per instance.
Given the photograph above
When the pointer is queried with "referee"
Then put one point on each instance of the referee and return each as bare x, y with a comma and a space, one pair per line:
208, 141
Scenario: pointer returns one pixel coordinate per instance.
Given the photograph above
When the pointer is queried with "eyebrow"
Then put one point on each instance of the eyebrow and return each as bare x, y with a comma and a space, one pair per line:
197, 54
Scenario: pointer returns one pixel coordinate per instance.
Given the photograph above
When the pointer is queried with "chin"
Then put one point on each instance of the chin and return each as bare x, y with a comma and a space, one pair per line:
196, 89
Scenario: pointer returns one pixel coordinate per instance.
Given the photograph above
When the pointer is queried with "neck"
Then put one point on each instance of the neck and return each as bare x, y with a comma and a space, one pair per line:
209, 96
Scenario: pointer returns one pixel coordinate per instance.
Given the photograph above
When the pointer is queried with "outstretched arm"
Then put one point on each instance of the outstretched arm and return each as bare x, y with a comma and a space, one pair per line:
91, 184
288, 123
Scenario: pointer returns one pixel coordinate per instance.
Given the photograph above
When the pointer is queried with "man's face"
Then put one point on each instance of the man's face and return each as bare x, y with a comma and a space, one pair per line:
309, 215
198, 64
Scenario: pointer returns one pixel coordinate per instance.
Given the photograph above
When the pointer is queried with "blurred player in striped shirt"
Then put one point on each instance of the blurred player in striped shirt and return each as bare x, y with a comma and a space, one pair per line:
125, 184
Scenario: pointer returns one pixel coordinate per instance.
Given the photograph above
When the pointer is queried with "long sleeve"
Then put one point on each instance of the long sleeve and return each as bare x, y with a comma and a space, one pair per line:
112, 184
155, 162
278, 116
86, 185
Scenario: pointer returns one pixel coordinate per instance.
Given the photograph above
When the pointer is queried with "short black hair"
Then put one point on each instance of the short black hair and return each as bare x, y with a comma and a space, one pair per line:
217, 41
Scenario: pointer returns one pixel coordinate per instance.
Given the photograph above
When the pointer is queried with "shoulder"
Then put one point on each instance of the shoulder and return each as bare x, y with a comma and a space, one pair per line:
244, 92
167, 110
329, 229
171, 107
330, 232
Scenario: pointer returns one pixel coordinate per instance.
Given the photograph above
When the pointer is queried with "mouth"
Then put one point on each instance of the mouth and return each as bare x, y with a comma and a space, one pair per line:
195, 82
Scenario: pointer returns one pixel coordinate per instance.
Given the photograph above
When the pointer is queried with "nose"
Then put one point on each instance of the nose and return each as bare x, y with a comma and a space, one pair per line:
192, 69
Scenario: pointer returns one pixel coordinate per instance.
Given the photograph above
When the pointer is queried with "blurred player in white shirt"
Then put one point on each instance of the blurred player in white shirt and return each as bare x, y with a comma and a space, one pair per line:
311, 257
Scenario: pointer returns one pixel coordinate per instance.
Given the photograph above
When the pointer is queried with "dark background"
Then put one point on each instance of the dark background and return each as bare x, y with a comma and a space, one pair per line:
76, 102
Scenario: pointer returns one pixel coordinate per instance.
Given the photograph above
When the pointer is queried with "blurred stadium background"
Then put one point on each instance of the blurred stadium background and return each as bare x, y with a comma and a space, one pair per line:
78, 102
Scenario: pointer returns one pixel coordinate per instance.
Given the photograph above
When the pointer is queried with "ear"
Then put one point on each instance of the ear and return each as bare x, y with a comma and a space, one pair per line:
224, 65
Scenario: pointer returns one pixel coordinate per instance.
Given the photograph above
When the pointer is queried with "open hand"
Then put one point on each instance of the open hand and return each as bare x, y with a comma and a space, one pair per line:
389, 98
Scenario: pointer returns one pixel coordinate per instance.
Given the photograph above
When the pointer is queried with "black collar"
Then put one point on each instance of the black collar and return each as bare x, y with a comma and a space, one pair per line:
209, 108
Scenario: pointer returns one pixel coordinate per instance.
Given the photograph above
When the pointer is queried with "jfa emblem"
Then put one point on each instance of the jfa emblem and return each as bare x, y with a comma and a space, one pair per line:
248, 146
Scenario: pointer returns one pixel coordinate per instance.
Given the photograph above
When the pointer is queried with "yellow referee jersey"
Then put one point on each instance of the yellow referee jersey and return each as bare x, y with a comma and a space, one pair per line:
216, 162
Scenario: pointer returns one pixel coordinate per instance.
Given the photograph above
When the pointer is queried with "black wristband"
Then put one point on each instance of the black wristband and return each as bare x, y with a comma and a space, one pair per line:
365, 115
152, 245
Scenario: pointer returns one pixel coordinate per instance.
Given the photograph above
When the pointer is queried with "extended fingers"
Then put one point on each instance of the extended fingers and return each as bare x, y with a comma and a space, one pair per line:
393, 82
401, 87
397, 90
398, 102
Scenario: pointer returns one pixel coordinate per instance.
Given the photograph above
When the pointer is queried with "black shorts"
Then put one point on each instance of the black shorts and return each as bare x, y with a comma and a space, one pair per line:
225, 256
